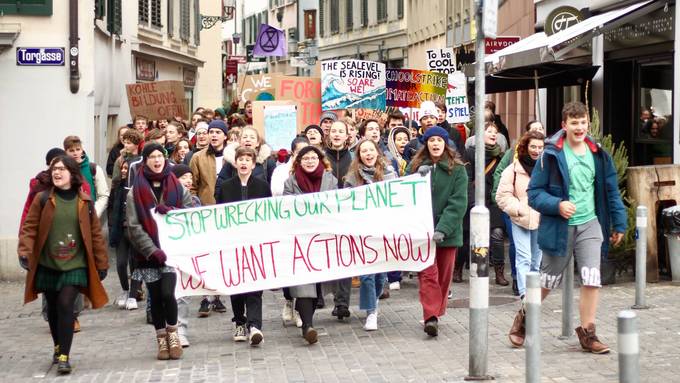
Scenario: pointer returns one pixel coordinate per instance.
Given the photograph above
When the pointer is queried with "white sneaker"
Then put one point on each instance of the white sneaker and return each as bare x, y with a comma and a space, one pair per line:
287, 313
255, 337
371, 322
183, 341
297, 319
240, 333
122, 299
131, 304
395, 285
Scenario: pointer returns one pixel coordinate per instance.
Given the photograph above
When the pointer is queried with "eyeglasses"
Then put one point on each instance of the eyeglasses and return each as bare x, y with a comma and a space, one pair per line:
309, 159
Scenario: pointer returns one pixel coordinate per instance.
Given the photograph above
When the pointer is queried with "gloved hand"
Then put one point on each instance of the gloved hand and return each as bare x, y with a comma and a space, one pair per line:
438, 237
23, 262
164, 209
424, 169
102, 274
159, 256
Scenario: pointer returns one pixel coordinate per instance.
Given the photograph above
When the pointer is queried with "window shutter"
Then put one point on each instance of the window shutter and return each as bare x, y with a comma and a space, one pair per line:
114, 13
364, 13
382, 11
156, 13
400, 9
143, 9
26, 7
185, 20
171, 18
99, 9
197, 23
349, 16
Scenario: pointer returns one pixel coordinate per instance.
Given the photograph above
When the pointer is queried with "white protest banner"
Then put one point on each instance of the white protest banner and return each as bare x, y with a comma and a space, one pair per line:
274, 242
280, 124
441, 60
352, 84
457, 109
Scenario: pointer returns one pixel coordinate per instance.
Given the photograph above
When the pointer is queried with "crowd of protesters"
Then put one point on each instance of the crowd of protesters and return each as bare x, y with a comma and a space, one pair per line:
218, 156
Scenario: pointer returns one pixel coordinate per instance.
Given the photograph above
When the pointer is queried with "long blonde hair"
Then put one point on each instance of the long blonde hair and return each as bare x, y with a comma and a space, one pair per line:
355, 166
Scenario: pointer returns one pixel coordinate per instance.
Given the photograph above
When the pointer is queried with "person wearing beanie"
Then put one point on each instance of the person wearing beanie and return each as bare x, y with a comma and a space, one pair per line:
40, 182
327, 118
200, 140
156, 188
315, 135
437, 159
428, 118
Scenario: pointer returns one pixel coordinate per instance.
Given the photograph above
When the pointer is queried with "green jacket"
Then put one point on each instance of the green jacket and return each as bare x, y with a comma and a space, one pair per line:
449, 200
506, 161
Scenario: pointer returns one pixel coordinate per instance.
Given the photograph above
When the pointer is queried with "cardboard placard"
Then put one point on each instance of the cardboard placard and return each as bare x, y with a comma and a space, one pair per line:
280, 125
157, 100
258, 116
352, 84
306, 91
258, 87
410, 87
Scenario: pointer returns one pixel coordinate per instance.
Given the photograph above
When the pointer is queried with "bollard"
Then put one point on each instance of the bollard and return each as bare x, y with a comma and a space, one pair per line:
629, 347
568, 299
640, 257
532, 343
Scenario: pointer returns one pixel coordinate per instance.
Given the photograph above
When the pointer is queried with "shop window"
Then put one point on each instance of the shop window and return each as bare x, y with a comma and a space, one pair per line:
654, 131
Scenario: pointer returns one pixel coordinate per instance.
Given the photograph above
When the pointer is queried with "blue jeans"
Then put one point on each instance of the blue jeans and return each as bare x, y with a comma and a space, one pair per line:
370, 290
528, 256
511, 247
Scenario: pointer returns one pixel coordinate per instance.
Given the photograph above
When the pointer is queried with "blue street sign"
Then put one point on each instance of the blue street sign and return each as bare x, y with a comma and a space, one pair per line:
40, 56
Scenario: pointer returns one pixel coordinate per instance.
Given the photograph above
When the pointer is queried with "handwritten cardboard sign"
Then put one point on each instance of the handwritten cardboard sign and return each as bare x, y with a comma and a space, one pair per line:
298, 239
258, 87
280, 125
306, 91
441, 60
259, 117
157, 100
457, 108
352, 84
410, 88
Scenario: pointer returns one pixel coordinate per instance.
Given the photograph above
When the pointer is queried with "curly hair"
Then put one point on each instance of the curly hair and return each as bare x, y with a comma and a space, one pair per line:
523, 145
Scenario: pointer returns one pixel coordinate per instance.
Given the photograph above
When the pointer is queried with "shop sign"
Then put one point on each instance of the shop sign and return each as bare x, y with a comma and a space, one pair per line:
562, 18
189, 77
494, 45
146, 69
231, 73
238, 59
40, 56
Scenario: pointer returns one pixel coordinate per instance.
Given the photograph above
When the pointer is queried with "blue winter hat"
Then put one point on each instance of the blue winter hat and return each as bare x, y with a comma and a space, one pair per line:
218, 124
435, 131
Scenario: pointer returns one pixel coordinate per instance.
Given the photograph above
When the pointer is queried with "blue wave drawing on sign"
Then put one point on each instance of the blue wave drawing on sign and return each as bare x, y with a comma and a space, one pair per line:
333, 99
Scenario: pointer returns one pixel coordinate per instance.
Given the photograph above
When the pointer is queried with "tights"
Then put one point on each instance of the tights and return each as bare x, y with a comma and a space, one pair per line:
60, 316
163, 303
306, 308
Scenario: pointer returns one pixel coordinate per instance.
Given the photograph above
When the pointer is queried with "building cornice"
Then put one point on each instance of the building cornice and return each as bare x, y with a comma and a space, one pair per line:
165, 53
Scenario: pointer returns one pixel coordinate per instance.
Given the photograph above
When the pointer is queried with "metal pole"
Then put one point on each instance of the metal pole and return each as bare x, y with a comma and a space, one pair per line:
629, 348
640, 257
568, 299
533, 328
479, 228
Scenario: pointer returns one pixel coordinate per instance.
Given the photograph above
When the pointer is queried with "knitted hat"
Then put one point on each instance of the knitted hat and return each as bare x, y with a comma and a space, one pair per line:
152, 147
428, 108
310, 148
52, 154
218, 124
435, 131
201, 125
180, 170
312, 127
221, 112
329, 115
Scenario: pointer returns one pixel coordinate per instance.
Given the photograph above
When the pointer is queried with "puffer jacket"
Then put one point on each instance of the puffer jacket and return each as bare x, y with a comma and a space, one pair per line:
513, 199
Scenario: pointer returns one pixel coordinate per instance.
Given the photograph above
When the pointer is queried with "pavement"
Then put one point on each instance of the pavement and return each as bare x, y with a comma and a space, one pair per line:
117, 346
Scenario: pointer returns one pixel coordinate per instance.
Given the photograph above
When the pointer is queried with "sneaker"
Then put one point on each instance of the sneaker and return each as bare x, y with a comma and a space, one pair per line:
341, 312
297, 319
121, 300
518, 331
589, 341
63, 365
76, 326
240, 333
310, 334
255, 337
431, 327
131, 304
395, 285
183, 341
450, 296
287, 312
371, 322
204, 310
218, 306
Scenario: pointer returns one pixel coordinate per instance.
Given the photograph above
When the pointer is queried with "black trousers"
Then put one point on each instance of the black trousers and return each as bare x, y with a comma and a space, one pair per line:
60, 316
163, 302
247, 308
306, 307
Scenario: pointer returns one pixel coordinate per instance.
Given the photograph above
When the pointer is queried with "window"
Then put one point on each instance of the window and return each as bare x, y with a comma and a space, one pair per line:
143, 10
156, 13
310, 24
382, 10
197, 23
171, 18
349, 15
99, 6
364, 13
322, 15
185, 20
400, 9
114, 12
26, 7
335, 16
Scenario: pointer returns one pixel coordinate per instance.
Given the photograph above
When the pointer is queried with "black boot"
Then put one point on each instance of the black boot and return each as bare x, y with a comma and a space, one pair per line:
515, 289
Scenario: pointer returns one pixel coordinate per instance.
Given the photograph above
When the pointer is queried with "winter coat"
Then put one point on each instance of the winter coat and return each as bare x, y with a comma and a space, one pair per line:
117, 220
550, 185
279, 177
495, 214
449, 200
509, 156
42, 181
340, 161
291, 187
102, 189
141, 244
350, 180
114, 153
230, 190
204, 172
264, 165
512, 197
34, 233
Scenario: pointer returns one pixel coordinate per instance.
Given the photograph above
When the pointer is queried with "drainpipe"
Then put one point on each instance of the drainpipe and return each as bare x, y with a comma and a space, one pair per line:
676, 88
74, 72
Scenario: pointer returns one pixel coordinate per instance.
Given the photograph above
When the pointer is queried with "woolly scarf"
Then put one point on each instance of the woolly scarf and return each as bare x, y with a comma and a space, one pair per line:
368, 174
145, 199
310, 182
87, 174
527, 163
492, 151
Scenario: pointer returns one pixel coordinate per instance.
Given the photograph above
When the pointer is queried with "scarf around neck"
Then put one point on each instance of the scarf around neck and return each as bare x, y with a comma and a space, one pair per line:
367, 174
492, 151
310, 182
87, 175
527, 163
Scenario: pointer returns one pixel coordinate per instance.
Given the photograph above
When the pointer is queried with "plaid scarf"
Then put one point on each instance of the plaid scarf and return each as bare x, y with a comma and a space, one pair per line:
145, 201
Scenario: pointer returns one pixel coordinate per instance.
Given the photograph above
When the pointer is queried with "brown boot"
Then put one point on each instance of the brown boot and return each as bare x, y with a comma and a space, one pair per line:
162, 339
174, 345
589, 341
458, 274
518, 331
500, 277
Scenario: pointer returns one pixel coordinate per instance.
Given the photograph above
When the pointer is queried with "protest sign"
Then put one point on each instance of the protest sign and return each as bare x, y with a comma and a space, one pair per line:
157, 100
256, 87
411, 113
258, 117
457, 109
292, 240
306, 91
270, 42
409, 87
441, 60
352, 84
280, 124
